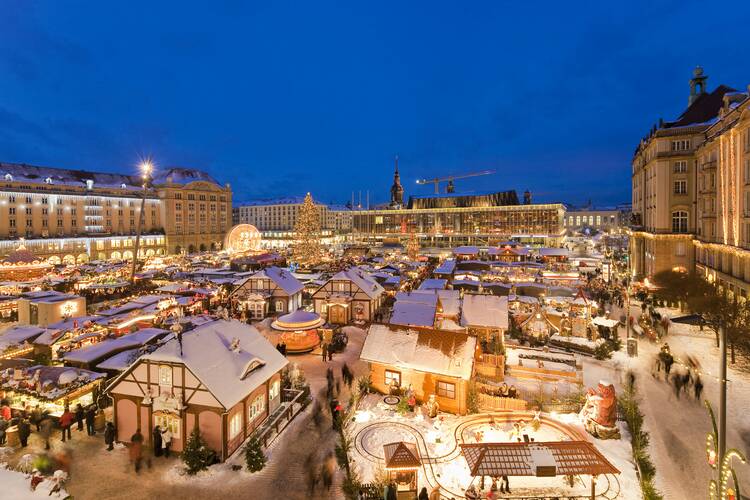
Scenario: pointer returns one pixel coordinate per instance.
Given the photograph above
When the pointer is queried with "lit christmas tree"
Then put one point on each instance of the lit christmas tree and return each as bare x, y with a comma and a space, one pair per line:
412, 246
307, 249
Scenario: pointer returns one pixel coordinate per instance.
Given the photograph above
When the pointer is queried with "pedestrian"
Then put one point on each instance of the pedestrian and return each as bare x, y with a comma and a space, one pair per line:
392, 492
324, 352
136, 450
90, 418
79, 416
36, 417
435, 493
66, 421
283, 348
698, 388
109, 436
412, 402
3, 426
423, 494
677, 382
5, 410
24, 431
157, 441
166, 437
504, 485
45, 430
330, 353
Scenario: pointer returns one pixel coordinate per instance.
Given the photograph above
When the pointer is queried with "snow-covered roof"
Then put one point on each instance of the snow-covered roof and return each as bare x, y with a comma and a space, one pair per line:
414, 313
440, 352
554, 252
446, 267
450, 300
433, 284
484, 311
605, 322
363, 280
19, 335
466, 250
91, 353
120, 361
207, 352
282, 277
178, 175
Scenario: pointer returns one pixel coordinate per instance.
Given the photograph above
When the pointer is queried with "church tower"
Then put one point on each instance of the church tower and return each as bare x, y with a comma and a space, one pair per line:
397, 191
697, 85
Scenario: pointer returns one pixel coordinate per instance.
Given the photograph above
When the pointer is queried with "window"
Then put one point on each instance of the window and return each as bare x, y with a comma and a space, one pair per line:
680, 167
680, 187
679, 249
165, 421
165, 375
680, 221
682, 145
446, 390
273, 391
235, 425
392, 378
257, 407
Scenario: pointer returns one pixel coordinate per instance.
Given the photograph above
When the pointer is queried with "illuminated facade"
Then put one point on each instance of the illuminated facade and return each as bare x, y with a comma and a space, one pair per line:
74, 216
691, 208
453, 226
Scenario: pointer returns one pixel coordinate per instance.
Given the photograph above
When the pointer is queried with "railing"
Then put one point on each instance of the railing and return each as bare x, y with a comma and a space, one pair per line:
282, 415
488, 402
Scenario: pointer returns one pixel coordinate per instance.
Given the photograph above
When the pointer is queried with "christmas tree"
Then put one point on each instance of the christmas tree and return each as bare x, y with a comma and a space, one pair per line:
254, 457
412, 246
307, 249
196, 455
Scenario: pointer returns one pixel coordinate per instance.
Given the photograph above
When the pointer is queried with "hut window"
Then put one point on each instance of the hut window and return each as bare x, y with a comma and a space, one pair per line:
273, 392
235, 425
392, 378
165, 376
446, 390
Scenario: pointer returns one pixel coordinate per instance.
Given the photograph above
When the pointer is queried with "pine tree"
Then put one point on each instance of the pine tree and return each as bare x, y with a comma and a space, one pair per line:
412, 246
307, 248
255, 459
196, 455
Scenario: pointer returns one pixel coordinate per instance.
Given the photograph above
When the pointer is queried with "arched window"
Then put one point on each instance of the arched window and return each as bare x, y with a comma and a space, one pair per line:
680, 221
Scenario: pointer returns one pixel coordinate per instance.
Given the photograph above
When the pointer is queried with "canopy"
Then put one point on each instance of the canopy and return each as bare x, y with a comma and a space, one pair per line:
298, 320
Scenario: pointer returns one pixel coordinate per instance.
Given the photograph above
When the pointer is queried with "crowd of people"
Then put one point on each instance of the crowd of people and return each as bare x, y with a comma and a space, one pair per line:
686, 378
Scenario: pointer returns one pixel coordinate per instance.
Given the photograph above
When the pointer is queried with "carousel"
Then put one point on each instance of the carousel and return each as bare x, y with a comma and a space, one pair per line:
243, 239
23, 265
299, 330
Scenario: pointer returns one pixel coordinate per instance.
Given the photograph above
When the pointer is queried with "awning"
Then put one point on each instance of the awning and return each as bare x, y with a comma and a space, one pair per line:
401, 455
556, 458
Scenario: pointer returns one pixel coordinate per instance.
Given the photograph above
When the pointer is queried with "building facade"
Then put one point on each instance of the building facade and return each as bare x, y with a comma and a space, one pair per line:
598, 219
72, 216
690, 206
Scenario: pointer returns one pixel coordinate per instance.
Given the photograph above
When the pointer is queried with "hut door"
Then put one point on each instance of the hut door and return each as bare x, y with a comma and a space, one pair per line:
337, 314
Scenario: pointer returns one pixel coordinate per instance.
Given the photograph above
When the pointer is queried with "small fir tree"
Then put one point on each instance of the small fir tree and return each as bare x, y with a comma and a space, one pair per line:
255, 459
412, 246
472, 399
307, 249
196, 455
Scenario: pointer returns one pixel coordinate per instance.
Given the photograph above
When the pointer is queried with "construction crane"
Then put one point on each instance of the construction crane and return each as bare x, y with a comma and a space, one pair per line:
450, 178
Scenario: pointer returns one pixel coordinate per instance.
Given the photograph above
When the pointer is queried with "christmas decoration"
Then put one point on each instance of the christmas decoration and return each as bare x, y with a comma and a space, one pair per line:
196, 455
307, 248
412, 246
254, 457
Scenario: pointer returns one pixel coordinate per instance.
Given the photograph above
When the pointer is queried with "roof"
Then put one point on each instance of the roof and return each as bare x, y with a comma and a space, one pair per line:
298, 320
95, 352
401, 455
466, 250
704, 109
282, 277
408, 313
554, 252
484, 311
364, 281
433, 284
207, 352
450, 300
286, 200
433, 351
120, 361
446, 267
556, 458
19, 335
179, 175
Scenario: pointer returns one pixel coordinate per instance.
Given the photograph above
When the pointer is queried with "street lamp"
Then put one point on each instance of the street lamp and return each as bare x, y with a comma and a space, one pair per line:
146, 168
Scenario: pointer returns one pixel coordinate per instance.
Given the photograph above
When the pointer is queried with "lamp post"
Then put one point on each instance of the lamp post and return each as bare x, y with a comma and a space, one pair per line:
146, 170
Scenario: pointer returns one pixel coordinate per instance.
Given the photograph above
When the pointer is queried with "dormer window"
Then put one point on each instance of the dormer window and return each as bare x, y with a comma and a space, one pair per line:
89, 184
8, 177
252, 365
123, 186
48, 180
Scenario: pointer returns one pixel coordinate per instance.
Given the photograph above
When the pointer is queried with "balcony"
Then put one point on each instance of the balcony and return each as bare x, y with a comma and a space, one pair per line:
709, 165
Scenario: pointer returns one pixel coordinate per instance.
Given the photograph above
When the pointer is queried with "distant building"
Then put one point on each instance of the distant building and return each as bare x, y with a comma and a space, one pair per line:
599, 219
73, 216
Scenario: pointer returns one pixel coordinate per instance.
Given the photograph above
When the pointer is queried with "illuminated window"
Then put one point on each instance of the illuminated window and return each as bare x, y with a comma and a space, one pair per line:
165, 375
273, 391
392, 378
446, 390
256, 408
235, 425
680, 221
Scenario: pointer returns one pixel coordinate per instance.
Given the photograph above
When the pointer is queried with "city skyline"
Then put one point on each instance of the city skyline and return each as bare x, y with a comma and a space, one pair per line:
297, 97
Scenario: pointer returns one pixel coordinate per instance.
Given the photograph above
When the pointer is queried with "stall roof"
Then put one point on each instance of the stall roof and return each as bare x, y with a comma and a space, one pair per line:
484, 311
446, 267
19, 335
95, 352
120, 361
401, 455
433, 284
566, 458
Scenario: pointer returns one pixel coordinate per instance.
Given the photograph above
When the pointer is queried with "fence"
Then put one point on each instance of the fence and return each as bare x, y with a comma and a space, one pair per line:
491, 366
497, 403
282, 416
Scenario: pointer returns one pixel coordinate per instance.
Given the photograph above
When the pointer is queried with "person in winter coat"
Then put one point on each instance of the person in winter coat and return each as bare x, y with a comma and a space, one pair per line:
157, 441
66, 421
392, 492
79, 416
109, 436
36, 417
5, 411
423, 494
45, 429
324, 352
166, 437
90, 418
24, 431
136, 450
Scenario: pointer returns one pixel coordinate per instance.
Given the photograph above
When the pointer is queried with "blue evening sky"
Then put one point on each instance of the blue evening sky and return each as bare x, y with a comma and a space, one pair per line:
279, 98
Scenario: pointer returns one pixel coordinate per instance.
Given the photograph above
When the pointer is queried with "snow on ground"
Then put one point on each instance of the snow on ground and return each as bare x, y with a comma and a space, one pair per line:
376, 424
17, 486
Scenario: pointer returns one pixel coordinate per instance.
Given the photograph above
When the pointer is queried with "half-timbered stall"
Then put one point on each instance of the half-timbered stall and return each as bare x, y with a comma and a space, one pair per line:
271, 290
350, 295
222, 377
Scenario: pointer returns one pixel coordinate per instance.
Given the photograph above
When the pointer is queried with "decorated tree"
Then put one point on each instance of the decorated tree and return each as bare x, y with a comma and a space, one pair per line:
307, 248
412, 246
255, 459
196, 455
